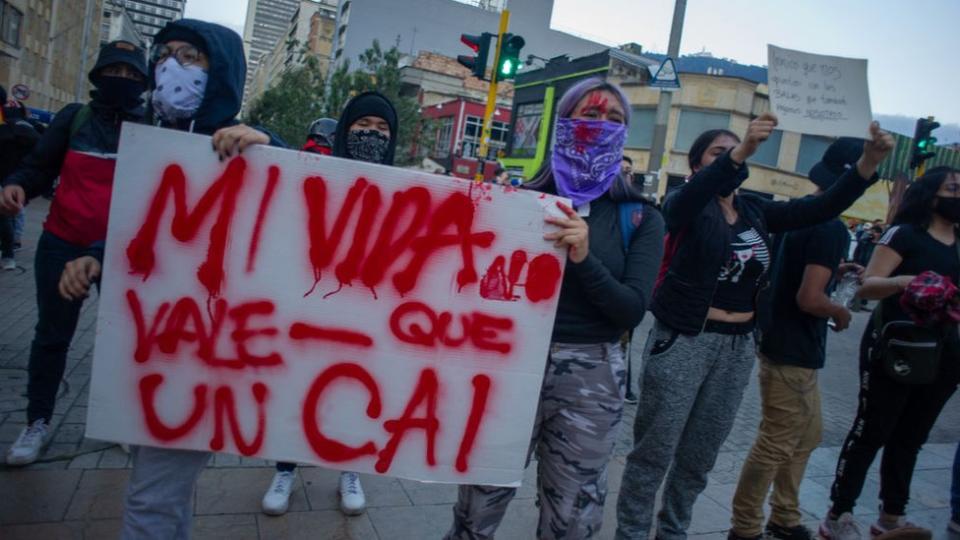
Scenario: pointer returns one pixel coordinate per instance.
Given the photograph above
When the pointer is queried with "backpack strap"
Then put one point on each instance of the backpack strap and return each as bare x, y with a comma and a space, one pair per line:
631, 214
79, 118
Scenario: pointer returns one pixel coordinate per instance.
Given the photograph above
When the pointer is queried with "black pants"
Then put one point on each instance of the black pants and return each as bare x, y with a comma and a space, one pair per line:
896, 417
6, 237
55, 327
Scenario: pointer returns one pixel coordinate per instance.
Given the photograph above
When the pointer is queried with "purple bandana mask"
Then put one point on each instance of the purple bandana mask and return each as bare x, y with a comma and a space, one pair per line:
586, 157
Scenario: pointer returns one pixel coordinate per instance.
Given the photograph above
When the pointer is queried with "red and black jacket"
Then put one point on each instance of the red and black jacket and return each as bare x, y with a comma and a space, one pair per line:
79, 147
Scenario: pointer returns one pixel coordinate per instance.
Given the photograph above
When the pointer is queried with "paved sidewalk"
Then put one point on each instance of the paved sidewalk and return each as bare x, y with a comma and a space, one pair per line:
75, 491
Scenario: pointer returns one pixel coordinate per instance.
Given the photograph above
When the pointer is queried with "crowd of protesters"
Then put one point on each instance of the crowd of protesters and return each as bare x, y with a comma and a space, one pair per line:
728, 277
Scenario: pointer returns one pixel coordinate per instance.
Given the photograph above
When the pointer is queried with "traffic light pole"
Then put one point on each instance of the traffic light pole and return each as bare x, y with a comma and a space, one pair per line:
491, 98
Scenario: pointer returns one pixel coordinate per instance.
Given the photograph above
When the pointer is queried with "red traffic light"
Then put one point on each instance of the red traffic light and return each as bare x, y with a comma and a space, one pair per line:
471, 41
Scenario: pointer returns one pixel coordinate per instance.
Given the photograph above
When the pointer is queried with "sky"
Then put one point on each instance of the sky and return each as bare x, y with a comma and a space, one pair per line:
912, 47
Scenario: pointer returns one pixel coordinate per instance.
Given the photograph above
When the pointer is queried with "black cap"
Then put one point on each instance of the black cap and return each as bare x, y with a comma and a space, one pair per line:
120, 52
177, 32
840, 156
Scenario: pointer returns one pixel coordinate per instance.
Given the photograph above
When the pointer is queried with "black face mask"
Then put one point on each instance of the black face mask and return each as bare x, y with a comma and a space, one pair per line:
120, 91
12, 114
949, 208
367, 145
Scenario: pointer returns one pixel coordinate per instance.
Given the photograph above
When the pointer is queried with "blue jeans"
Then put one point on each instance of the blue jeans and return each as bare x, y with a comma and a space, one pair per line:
955, 488
56, 324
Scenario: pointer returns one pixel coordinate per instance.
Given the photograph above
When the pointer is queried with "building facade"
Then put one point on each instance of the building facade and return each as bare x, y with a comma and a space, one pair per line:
47, 47
118, 24
308, 33
150, 16
266, 24
436, 25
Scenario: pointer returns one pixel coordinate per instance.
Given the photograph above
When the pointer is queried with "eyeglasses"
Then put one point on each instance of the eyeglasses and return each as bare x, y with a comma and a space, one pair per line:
185, 56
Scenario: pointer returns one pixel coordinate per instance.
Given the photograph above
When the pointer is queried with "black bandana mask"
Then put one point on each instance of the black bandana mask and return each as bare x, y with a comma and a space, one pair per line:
367, 145
949, 208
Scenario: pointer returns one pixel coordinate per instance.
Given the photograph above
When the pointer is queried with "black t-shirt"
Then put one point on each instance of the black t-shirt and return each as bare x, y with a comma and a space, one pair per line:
792, 336
920, 252
739, 276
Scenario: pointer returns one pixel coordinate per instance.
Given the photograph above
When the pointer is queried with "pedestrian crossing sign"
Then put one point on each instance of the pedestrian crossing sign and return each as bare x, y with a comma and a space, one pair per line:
666, 75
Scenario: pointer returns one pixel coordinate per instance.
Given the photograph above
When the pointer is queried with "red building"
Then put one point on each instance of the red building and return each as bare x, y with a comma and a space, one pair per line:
456, 136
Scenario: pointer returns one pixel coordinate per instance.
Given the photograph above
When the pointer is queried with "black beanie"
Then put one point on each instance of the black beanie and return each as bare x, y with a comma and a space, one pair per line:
366, 104
120, 52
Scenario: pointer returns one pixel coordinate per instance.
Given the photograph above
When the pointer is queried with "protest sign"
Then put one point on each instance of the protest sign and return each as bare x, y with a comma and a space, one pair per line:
306, 308
818, 94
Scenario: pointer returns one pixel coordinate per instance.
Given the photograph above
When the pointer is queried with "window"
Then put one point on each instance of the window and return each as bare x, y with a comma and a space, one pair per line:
768, 151
444, 131
693, 123
812, 148
472, 131
11, 19
526, 129
640, 131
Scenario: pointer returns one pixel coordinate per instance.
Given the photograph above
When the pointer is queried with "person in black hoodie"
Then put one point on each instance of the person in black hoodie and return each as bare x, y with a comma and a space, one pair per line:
80, 148
206, 62
366, 131
700, 353
17, 139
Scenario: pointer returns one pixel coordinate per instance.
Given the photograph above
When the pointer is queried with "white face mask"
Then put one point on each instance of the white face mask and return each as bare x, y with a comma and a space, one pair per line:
179, 90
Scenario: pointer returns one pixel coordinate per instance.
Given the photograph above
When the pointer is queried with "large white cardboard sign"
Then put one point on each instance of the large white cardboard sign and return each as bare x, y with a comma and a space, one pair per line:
819, 94
298, 307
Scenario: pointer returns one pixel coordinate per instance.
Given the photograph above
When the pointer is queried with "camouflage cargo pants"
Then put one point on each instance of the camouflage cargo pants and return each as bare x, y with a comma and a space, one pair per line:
581, 404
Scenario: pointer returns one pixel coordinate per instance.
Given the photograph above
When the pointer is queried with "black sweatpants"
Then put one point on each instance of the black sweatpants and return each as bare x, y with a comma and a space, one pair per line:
896, 417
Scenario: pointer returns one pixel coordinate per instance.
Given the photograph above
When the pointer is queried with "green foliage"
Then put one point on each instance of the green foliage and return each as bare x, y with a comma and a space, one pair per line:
302, 96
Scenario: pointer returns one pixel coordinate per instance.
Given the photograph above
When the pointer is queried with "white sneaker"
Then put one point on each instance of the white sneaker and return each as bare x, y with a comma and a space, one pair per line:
277, 499
844, 527
8, 263
352, 501
28, 445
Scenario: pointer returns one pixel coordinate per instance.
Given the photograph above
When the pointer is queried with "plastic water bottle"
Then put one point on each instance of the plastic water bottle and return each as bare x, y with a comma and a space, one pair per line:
846, 289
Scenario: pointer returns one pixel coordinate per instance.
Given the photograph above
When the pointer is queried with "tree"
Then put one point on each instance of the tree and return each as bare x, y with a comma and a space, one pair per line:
289, 107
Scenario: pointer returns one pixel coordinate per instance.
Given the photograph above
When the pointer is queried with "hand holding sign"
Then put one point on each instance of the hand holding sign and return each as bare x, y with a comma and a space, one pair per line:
574, 233
875, 150
758, 131
818, 94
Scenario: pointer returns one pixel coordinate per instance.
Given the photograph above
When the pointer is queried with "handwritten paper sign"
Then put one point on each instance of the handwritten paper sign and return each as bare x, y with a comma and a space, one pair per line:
818, 94
305, 308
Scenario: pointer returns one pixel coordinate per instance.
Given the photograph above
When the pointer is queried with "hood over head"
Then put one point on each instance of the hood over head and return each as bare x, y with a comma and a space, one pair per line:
228, 70
366, 104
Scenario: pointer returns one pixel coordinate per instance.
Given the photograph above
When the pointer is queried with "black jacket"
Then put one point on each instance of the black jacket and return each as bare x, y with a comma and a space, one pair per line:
17, 139
700, 236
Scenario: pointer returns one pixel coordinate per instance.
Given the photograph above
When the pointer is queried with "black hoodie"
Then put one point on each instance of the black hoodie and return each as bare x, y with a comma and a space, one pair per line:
366, 104
228, 70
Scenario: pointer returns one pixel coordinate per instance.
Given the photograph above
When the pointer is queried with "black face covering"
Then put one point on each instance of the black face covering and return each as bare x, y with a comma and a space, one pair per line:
949, 208
120, 91
12, 114
367, 145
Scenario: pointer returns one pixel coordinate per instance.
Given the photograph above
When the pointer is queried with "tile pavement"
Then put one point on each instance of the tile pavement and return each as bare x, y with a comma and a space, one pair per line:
75, 490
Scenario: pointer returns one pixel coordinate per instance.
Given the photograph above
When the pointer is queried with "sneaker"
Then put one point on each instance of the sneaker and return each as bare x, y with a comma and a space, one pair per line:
734, 536
844, 527
780, 532
352, 501
277, 499
630, 399
899, 529
953, 526
8, 263
28, 445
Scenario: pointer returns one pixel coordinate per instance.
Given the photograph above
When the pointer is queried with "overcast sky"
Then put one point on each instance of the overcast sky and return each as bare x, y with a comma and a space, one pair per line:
912, 46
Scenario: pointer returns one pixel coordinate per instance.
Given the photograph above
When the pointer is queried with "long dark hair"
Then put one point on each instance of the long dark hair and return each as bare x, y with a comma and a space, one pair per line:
623, 188
703, 142
916, 208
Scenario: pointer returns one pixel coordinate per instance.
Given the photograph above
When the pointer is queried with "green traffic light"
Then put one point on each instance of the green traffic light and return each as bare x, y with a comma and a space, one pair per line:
507, 67
922, 144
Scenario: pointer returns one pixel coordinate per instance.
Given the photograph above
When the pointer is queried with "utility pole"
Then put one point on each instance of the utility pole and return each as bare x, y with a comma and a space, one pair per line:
85, 40
666, 97
491, 99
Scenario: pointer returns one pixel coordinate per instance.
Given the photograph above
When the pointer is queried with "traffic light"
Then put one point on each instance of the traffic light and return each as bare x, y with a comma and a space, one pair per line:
480, 45
508, 63
923, 141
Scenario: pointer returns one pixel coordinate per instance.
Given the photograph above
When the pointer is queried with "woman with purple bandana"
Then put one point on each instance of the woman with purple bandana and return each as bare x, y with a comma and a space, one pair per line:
700, 352
614, 244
